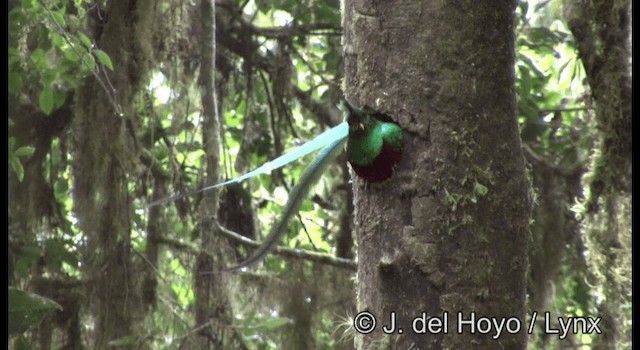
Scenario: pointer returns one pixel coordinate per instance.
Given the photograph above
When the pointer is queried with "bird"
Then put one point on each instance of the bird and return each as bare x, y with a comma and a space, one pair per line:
374, 147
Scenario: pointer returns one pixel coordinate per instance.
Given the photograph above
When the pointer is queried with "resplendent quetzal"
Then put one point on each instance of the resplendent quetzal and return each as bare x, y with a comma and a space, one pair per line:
374, 147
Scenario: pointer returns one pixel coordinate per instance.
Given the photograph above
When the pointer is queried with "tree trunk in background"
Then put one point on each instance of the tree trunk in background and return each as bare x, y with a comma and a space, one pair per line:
104, 150
213, 316
555, 242
602, 34
601, 31
449, 231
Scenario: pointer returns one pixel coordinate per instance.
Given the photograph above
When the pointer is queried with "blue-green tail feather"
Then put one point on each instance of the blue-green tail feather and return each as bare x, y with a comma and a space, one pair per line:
328, 137
299, 192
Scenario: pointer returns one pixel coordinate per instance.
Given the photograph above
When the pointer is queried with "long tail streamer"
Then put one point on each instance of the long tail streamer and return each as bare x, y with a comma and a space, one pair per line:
299, 192
329, 137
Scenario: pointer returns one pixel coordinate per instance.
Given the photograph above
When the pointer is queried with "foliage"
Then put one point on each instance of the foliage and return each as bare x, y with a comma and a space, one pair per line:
27, 310
553, 105
16, 154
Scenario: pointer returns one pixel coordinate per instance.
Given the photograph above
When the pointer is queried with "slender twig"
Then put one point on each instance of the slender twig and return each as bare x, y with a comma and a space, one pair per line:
306, 232
151, 265
298, 30
565, 109
293, 253
302, 254
314, 71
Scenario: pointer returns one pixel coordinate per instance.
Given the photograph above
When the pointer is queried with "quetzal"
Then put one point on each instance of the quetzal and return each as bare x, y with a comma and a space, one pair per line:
374, 147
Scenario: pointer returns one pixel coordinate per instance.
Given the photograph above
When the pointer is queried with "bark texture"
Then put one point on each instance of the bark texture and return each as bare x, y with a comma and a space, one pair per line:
601, 31
104, 150
602, 34
554, 230
212, 307
448, 232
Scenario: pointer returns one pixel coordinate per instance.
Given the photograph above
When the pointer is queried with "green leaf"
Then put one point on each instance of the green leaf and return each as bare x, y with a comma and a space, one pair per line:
17, 167
103, 58
14, 56
124, 341
57, 39
59, 97
90, 62
306, 206
71, 80
59, 18
275, 323
85, 40
70, 54
46, 100
38, 58
27, 310
563, 67
16, 20
29, 255
24, 151
15, 83
242, 108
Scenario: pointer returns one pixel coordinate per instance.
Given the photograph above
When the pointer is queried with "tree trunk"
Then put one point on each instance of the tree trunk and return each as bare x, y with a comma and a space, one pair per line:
601, 30
104, 148
554, 229
213, 316
448, 232
554, 251
602, 34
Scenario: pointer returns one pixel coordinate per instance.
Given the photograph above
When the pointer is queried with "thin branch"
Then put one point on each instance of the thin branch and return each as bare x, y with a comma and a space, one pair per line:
294, 30
565, 109
314, 71
322, 258
302, 254
193, 330
306, 232
153, 267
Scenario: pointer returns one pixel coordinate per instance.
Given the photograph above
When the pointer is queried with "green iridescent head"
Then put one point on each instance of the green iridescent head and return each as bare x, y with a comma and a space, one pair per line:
368, 132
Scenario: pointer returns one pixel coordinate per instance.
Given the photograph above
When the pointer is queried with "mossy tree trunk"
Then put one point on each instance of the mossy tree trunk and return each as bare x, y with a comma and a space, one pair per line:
104, 151
213, 314
449, 231
556, 249
602, 34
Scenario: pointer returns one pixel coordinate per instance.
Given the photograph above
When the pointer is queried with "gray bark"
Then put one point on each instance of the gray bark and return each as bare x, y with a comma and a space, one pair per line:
448, 232
213, 314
